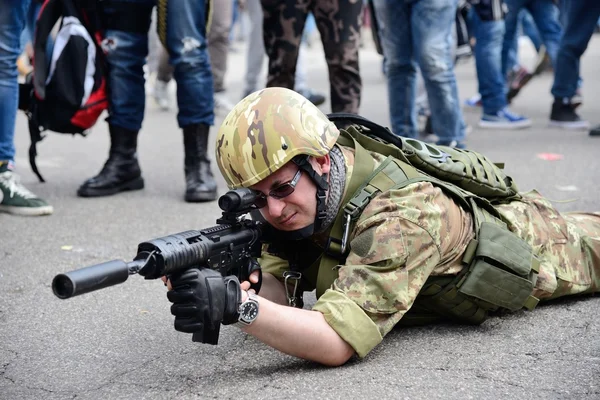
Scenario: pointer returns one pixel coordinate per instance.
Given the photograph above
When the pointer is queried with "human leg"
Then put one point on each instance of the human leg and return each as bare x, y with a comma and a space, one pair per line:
516, 75
530, 29
126, 47
24, 60
509, 45
574, 263
488, 57
12, 23
339, 25
256, 48
545, 15
567, 245
489, 35
433, 51
579, 273
218, 41
393, 17
283, 23
14, 197
187, 46
580, 24
218, 49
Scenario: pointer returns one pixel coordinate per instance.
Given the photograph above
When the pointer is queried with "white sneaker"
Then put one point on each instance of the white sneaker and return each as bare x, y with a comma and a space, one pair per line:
222, 104
161, 94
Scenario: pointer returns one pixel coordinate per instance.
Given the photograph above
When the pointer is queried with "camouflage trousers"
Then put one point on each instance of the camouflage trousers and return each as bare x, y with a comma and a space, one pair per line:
568, 245
338, 22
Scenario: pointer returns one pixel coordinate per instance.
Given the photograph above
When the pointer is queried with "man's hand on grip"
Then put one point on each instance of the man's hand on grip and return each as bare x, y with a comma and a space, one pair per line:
202, 299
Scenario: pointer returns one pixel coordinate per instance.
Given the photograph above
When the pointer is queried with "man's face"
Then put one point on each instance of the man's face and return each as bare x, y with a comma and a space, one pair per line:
297, 210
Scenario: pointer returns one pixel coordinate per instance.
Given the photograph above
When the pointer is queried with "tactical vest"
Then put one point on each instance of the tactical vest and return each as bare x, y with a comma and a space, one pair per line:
500, 268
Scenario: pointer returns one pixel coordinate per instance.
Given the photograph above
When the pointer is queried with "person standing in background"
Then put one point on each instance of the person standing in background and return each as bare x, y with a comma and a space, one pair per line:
256, 54
546, 18
182, 30
487, 24
409, 42
580, 19
218, 49
338, 22
14, 197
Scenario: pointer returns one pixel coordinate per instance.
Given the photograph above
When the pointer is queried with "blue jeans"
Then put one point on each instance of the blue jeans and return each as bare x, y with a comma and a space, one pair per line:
545, 16
409, 41
581, 17
529, 29
30, 19
489, 36
12, 22
186, 44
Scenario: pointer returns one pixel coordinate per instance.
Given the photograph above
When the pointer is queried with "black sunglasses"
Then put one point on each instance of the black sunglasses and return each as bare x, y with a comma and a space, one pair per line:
279, 192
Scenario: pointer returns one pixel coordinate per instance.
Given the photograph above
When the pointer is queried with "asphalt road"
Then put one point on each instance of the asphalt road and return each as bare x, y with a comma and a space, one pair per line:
119, 343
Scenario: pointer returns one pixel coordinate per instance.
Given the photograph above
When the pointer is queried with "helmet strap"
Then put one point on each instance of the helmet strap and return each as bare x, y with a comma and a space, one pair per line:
322, 185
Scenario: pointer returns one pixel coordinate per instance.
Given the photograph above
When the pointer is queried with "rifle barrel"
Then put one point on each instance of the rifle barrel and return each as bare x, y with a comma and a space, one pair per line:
94, 277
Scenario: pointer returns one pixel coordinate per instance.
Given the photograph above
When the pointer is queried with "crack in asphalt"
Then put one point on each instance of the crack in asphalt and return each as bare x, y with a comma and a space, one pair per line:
6, 364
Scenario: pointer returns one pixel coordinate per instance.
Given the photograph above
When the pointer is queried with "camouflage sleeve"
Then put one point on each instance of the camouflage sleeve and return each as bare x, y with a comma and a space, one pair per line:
395, 247
272, 264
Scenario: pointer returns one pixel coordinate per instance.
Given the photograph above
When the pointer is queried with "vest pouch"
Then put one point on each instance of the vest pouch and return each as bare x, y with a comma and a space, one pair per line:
496, 286
503, 271
506, 248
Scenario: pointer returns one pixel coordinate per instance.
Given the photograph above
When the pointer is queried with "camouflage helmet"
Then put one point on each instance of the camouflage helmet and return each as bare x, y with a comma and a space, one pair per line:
265, 130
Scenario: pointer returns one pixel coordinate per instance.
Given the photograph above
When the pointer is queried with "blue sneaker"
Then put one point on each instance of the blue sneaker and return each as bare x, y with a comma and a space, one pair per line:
504, 119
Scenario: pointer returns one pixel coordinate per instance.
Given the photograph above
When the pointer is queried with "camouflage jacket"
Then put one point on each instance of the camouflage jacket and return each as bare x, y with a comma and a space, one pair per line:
405, 236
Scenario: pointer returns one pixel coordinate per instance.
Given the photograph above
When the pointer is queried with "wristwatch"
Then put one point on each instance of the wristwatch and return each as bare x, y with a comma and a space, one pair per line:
248, 310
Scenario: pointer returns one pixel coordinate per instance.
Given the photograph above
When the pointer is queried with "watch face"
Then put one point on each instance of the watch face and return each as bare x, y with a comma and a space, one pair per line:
249, 311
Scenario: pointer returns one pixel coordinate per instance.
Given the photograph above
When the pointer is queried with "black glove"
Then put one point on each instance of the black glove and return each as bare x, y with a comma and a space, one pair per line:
202, 299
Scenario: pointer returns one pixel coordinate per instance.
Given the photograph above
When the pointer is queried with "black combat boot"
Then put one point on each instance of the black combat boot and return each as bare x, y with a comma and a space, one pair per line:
121, 171
199, 181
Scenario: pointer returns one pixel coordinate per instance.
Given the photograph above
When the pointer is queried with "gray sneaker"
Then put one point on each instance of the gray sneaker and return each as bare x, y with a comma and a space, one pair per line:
16, 199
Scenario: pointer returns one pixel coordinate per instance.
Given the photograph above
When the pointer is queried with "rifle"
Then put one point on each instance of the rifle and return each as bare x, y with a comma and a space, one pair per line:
230, 248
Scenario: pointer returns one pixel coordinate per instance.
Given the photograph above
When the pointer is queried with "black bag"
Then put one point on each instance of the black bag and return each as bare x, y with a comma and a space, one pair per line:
66, 93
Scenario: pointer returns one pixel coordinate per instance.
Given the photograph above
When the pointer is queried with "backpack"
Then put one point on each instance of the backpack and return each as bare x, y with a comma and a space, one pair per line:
66, 92
466, 169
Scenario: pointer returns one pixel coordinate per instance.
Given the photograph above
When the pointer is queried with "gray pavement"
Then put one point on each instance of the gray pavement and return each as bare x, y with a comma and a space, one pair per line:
119, 343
